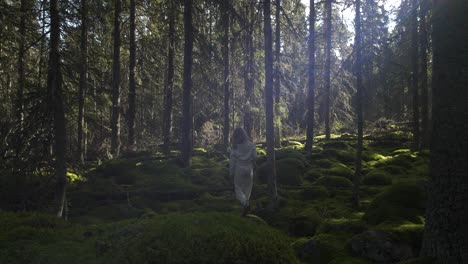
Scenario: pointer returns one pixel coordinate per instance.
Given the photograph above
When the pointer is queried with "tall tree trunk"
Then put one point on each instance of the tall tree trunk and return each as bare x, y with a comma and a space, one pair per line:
55, 103
277, 74
311, 83
328, 35
226, 72
83, 78
21, 72
446, 232
360, 119
115, 118
131, 80
415, 73
167, 122
270, 137
424, 79
249, 80
187, 121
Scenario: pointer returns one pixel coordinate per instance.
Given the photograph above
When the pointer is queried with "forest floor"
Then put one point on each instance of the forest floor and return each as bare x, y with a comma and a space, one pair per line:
144, 208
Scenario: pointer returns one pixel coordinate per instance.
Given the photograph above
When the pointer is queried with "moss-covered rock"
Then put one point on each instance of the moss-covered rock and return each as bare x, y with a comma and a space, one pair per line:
343, 225
289, 171
336, 145
377, 177
323, 163
421, 260
314, 193
393, 170
312, 174
200, 238
304, 224
380, 246
334, 182
346, 156
339, 169
404, 201
349, 260
322, 248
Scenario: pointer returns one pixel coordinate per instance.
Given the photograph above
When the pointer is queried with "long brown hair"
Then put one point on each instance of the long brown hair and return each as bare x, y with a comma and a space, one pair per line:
239, 136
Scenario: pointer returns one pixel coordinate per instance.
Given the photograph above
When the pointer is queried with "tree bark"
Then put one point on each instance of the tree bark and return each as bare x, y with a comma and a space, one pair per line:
446, 232
187, 122
360, 119
226, 72
415, 73
424, 79
328, 35
55, 102
21, 62
311, 83
270, 137
276, 75
167, 121
83, 78
249, 69
115, 119
131, 80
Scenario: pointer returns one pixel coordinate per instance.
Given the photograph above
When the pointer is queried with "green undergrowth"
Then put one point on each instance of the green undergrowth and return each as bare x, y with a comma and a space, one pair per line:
145, 207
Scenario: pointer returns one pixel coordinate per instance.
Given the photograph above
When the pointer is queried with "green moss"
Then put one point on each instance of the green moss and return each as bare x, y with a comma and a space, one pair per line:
420, 170
343, 225
304, 224
401, 160
314, 193
346, 156
323, 163
339, 169
289, 171
210, 177
336, 145
372, 156
421, 260
404, 201
41, 238
349, 260
322, 248
312, 174
400, 151
334, 182
200, 238
290, 154
394, 170
261, 152
377, 177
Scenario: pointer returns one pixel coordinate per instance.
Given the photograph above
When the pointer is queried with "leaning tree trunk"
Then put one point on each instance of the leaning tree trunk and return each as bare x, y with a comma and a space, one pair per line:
115, 119
167, 121
83, 78
270, 135
328, 35
311, 83
446, 232
360, 119
415, 73
424, 89
276, 75
226, 72
55, 102
131, 81
187, 121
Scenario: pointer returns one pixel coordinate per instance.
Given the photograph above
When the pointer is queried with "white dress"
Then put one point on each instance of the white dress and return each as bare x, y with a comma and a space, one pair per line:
241, 165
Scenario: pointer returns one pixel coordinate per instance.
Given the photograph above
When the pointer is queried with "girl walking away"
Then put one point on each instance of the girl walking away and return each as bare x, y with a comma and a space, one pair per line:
241, 165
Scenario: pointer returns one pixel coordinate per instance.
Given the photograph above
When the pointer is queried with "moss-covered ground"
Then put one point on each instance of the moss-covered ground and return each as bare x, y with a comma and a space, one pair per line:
144, 208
